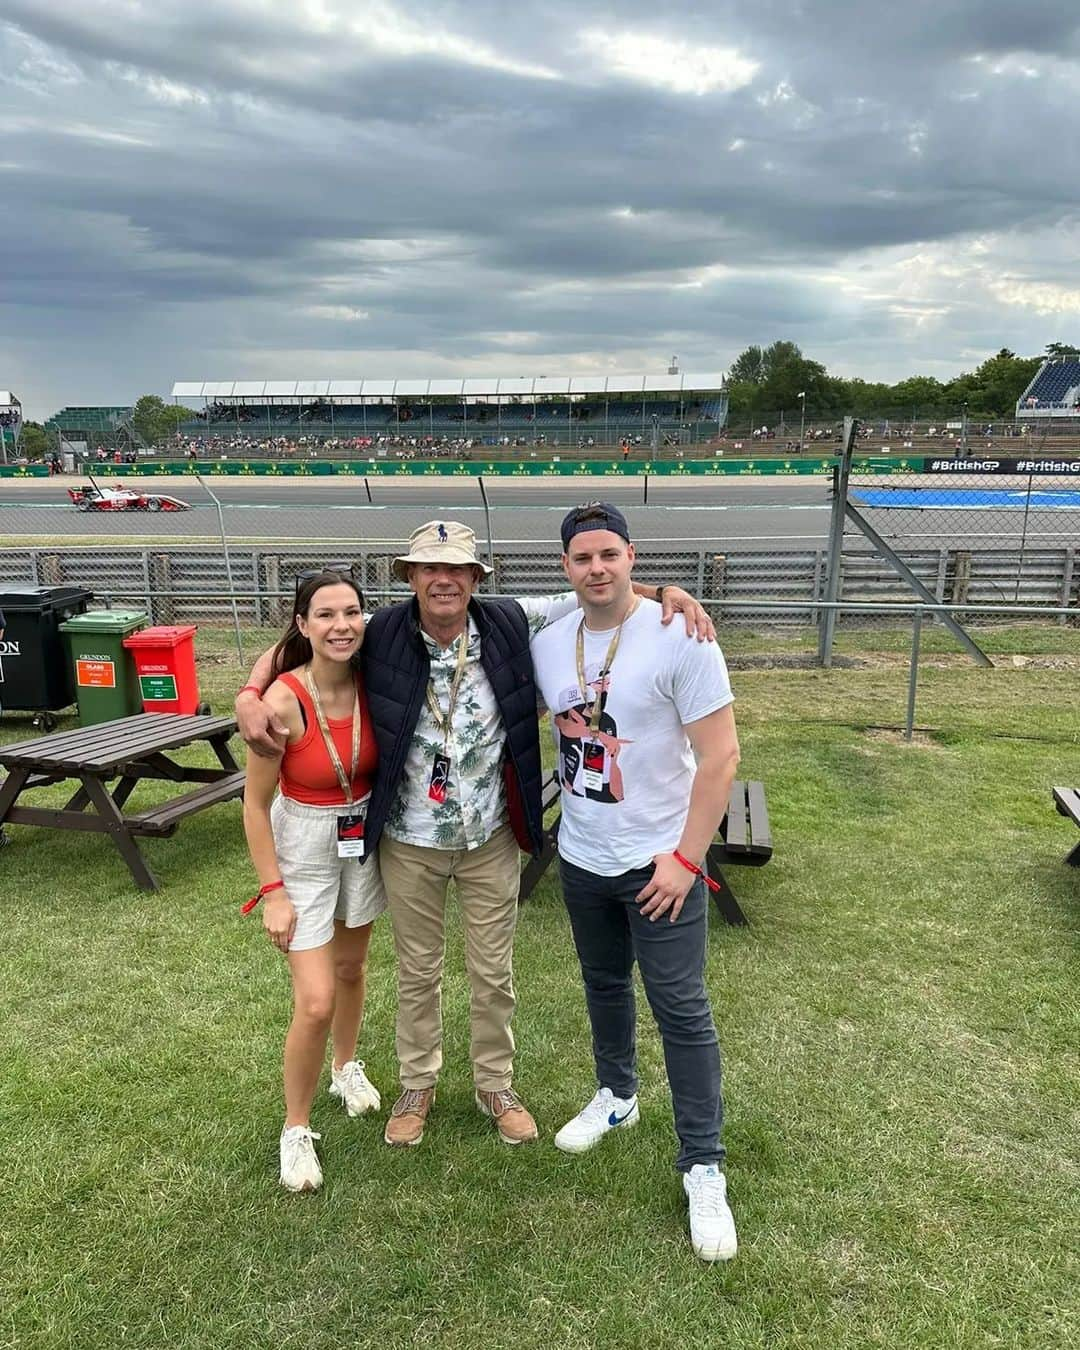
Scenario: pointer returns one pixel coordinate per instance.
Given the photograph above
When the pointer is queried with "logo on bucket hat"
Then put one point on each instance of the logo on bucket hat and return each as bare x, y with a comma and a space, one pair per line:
438, 541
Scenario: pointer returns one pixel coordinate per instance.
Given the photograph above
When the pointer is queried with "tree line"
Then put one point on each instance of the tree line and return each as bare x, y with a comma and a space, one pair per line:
153, 419
768, 380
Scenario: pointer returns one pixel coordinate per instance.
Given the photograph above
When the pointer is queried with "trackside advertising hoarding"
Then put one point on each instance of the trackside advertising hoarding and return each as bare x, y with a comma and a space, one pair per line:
452, 468
552, 468
1045, 465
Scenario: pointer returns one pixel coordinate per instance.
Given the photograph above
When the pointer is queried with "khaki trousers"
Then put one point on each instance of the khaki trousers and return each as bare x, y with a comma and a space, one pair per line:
416, 881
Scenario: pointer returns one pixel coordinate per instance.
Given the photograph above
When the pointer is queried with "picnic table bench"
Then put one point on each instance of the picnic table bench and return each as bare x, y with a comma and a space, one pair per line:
744, 839
1067, 801
128, 749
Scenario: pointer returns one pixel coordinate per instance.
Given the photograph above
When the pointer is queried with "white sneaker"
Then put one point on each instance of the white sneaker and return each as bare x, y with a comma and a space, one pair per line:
712, 1227
300, 1170
357, 1092
604, 1113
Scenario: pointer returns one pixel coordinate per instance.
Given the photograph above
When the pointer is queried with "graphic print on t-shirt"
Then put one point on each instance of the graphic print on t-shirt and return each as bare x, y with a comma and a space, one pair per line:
588, 760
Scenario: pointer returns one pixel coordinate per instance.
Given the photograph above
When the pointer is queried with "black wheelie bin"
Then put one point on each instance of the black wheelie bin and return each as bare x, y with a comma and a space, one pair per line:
35, 672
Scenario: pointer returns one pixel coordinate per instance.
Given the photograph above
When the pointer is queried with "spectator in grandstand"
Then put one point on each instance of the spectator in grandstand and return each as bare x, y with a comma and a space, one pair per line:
307, 843
458, 791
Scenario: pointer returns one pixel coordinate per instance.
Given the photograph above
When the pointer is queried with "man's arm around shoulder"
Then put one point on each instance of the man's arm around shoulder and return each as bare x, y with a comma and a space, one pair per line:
260, 726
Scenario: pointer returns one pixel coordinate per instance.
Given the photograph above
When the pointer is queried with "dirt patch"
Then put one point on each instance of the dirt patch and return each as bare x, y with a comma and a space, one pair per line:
924, 740
790, 661
1062, 661
899, 660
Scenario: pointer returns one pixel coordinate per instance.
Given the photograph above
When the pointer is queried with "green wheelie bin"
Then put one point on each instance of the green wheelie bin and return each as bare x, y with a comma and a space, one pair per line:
106, 684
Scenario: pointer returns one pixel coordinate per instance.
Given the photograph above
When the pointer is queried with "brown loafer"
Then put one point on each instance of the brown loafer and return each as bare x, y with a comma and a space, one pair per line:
407, 1116
513, 1122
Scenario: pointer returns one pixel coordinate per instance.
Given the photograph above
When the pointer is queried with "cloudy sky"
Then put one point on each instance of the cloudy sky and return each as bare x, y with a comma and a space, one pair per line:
227, 189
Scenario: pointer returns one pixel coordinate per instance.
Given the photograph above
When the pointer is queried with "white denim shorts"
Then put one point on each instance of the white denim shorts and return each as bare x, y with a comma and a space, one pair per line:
322, 886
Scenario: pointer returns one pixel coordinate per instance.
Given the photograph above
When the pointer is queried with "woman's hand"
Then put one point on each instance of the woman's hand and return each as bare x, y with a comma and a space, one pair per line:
279, 919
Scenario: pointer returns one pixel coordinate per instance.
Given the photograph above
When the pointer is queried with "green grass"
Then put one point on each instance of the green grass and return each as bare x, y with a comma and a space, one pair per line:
901, 1060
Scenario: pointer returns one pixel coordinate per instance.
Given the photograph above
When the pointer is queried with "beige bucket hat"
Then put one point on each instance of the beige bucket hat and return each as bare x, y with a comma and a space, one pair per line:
445, 541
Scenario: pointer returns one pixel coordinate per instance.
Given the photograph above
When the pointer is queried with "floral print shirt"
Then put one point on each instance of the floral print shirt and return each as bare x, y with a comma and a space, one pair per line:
475, 803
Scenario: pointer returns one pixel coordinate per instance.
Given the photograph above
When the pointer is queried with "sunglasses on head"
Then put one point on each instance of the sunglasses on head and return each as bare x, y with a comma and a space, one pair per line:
345, 570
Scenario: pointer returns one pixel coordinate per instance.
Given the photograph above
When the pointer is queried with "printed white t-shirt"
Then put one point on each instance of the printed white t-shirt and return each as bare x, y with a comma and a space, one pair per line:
626, 791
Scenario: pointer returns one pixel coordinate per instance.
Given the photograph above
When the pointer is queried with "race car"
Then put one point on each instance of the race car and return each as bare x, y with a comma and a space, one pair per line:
94, 497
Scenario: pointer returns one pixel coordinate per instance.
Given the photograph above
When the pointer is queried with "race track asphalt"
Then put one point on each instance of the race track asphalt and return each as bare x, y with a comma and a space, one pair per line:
766, 514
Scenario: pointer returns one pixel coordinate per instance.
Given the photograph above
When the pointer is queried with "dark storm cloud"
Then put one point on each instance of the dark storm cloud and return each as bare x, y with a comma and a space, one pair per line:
228, 189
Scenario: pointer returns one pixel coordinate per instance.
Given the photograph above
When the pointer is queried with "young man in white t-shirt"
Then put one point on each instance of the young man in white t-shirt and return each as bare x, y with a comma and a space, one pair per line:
647, 751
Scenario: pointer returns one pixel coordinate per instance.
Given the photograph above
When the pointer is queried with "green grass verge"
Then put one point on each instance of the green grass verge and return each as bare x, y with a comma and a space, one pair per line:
901, 1059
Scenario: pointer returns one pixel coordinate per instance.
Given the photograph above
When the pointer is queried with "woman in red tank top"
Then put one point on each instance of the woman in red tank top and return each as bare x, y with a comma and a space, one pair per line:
304, 820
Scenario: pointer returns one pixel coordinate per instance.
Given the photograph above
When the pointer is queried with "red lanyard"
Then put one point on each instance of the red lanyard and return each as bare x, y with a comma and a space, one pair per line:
331, 748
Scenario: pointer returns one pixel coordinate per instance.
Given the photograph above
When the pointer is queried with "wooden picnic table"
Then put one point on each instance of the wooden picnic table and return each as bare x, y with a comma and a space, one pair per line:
744, 839
1067, 801
127, 750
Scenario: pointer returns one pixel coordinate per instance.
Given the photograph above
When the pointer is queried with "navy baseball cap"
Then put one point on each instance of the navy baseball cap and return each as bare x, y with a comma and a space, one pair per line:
593, 516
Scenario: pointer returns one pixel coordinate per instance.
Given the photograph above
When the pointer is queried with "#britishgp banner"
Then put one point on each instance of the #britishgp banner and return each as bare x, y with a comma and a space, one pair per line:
1064, 467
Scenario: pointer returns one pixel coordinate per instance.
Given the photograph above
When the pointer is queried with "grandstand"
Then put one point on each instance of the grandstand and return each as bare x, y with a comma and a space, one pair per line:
111, 428
1055, 390
564, 410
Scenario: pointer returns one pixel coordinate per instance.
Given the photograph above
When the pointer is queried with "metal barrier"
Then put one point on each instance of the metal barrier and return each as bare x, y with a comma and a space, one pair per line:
234, 552
745, 588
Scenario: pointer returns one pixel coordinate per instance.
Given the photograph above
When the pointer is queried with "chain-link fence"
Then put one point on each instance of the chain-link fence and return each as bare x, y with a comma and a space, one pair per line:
1012, 528
722, 544
755, 549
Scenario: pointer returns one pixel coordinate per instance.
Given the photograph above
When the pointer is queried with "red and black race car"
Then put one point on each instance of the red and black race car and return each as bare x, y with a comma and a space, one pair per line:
94, 497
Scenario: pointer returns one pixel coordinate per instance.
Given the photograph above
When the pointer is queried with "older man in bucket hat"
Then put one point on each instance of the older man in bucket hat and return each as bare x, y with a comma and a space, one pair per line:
449, 682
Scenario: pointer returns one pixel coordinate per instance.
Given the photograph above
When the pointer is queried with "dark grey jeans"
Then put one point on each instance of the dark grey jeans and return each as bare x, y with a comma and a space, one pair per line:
610, 934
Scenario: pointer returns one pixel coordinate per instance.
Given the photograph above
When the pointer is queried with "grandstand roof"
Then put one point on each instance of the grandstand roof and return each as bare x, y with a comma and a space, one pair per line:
531, 386
8, 399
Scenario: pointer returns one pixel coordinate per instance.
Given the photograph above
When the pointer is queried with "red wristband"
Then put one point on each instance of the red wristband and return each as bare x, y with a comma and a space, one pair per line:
693, 867
249, 905
253, 687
